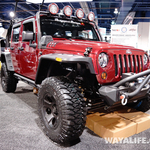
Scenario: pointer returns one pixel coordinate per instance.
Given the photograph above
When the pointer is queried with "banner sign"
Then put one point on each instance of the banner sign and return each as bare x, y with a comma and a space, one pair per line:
124, 35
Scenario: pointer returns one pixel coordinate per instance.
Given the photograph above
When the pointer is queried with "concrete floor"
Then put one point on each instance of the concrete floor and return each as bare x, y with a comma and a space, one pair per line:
20, 127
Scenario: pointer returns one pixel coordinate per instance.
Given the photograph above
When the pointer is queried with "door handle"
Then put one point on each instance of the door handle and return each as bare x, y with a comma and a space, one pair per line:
12, 48
21, 48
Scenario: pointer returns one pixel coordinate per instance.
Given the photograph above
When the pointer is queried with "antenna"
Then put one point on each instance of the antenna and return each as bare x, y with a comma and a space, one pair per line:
41, 5
16, 5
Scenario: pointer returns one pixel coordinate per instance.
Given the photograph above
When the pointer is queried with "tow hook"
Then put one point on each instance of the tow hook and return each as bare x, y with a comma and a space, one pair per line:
123, 99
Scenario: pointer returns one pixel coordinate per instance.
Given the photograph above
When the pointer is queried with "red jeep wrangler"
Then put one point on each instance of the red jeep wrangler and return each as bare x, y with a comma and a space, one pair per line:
64, 57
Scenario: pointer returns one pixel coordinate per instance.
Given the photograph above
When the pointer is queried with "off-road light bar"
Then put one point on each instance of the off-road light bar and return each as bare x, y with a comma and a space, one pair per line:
67, 10
91, 16
79, 13
53, 8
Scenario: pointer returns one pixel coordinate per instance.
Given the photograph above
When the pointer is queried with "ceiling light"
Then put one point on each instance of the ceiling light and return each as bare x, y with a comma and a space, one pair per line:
116, 11
56, 1
12, 14
113, 22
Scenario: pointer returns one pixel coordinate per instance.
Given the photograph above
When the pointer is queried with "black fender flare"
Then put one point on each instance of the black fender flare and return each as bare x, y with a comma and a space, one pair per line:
63, 58
6, 57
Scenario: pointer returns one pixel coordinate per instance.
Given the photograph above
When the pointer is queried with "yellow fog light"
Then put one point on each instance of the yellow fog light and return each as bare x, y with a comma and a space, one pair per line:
104, 75
58, 59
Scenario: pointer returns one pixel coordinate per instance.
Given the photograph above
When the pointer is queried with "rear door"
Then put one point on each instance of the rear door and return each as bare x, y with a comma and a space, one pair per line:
14, 45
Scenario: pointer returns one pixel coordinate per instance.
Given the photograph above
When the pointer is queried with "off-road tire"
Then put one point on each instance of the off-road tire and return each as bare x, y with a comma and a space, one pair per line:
8, 81
62, 109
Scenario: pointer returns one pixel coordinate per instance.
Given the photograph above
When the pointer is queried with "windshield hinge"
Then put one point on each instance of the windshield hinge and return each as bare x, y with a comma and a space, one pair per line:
87, 51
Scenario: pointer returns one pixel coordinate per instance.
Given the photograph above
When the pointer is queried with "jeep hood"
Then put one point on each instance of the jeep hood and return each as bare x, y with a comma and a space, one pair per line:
80, 46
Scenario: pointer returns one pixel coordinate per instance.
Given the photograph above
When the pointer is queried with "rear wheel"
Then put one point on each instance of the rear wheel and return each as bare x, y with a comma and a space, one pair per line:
62, 109
142, 105
8, 81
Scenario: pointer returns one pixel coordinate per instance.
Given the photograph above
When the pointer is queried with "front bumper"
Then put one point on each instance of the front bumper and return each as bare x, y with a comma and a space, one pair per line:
120, 92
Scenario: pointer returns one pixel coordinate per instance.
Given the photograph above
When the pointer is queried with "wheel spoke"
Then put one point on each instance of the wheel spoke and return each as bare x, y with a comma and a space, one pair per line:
54, 111
3, 80
49, 118
52, 122
50, 111
47, 104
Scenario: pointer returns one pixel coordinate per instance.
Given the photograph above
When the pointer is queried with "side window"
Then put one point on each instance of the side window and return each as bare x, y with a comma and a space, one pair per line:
16, 31
28, 26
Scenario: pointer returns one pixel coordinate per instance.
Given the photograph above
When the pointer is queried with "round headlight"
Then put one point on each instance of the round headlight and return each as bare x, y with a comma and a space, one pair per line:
53, 8
145, 59
103, 59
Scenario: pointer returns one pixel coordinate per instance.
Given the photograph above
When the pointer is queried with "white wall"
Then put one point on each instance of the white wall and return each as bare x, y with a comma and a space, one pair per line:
144, 36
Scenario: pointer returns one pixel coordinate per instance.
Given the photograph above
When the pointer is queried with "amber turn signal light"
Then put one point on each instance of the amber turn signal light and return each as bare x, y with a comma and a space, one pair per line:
104, 75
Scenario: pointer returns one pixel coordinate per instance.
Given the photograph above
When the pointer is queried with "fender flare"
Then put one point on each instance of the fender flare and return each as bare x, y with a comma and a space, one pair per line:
64, 58
6, 57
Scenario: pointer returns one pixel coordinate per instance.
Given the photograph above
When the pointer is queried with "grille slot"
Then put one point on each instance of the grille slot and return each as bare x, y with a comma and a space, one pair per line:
141, 63
116, 66
130, 66
134, 63
121, 67
137, 57
125, 62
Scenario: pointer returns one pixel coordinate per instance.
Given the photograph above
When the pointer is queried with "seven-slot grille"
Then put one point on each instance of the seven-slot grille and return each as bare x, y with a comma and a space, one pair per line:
127, 63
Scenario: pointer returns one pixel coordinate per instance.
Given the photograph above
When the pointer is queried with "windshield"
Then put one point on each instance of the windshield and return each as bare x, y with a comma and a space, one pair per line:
68, 29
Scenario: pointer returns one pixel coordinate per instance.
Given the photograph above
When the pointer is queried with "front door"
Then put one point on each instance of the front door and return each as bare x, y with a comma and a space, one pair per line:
28, 56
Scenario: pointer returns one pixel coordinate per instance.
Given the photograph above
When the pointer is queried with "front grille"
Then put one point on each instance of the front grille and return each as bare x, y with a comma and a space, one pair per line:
127, 63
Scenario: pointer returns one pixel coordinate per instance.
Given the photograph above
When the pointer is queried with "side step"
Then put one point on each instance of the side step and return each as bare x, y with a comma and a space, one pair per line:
26, 80
119, 124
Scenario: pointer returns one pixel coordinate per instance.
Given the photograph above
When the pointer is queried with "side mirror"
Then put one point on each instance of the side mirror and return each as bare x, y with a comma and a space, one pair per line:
27, 35
2, 44
45, 40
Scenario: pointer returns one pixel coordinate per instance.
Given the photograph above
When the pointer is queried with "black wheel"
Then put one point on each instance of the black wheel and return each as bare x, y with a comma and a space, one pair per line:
142, 105
8, 81
62, 109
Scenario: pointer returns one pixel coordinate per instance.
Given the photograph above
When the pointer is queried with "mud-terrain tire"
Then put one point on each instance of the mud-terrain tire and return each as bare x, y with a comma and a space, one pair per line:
62, 109
8, 81
143, 105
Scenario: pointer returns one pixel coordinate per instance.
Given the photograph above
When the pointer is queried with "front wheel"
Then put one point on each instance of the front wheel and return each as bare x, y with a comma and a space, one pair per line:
62, 109
142, 105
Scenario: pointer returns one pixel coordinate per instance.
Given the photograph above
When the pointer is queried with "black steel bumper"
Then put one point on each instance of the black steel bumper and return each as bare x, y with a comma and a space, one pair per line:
121, 92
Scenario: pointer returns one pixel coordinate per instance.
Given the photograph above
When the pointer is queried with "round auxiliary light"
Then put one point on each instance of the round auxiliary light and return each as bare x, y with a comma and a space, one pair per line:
53, 8
67, 11
91, 16
80, 13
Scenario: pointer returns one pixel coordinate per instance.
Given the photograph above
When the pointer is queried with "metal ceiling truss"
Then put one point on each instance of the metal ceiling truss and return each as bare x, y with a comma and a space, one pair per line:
103, 9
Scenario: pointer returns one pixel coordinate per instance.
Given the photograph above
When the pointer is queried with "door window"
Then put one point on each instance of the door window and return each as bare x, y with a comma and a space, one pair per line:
28, 27
16, 31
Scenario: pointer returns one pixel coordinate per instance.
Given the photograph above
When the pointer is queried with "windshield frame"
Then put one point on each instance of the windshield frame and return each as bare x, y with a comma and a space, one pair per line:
94, 28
